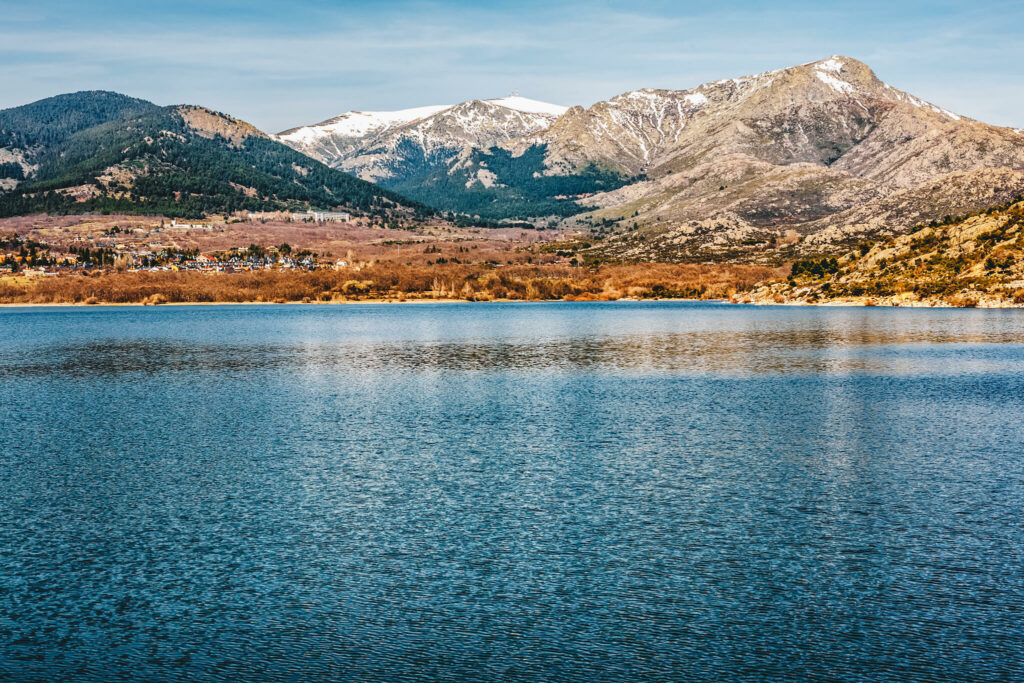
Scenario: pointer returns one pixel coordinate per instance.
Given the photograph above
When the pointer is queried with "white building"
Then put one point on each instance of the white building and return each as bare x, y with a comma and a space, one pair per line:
329, 216
175, 225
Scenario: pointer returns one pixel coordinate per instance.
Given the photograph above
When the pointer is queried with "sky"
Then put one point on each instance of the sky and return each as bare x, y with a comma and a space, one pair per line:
284, 64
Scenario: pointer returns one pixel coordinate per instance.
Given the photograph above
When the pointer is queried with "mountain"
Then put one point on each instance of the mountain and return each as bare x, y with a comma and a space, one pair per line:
337, 139
444, 155
820, 147
99, 151
823, 149
389, 145
833, 113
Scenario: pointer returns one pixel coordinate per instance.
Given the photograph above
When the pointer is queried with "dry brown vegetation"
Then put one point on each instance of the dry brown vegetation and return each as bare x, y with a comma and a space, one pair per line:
353, 242
394, 282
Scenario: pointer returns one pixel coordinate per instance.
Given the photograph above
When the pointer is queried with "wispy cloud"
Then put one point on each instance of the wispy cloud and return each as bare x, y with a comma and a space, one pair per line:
279, 65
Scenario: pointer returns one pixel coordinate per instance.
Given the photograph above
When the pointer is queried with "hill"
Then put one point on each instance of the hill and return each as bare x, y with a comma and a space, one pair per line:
975, 260
54, 119
111, 153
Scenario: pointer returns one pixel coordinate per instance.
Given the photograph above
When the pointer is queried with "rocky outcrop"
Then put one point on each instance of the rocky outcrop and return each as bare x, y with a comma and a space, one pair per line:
975, 260
210, 124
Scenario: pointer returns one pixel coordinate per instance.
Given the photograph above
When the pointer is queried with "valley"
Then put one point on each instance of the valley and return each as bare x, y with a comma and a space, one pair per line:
131, 259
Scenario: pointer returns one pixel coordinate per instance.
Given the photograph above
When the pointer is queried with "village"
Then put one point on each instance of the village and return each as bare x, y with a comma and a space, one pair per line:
167, 246
51, 245
28, 257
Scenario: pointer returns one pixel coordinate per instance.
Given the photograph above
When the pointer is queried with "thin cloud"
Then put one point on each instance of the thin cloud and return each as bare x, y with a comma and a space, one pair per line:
281, 66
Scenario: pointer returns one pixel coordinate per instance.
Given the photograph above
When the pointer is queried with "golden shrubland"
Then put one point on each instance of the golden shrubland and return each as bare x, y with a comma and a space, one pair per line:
389, 281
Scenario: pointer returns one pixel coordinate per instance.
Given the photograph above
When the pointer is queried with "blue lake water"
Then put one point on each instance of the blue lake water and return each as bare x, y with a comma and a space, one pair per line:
565, 492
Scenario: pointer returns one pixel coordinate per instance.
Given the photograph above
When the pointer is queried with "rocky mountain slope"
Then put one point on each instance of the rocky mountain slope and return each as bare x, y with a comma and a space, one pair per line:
824, 148
975, 260
105, 152
815, 113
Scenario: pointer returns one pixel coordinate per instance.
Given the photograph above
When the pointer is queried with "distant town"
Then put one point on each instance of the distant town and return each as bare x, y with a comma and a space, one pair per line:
133, 249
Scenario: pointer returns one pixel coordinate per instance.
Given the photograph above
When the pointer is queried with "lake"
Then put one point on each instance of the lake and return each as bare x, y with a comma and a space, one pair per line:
568, 492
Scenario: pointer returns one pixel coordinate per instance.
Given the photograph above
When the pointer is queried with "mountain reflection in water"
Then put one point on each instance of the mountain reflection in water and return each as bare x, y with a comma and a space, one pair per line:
740, 352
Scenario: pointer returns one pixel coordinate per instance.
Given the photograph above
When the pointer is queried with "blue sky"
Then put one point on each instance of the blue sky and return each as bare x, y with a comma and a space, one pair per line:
281, 64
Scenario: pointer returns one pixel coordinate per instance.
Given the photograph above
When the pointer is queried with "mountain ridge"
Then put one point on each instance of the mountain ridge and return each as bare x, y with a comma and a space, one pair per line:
825, 150
383, 145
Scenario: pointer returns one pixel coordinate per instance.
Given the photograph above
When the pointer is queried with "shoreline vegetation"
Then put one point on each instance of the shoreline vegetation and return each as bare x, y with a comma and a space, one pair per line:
972, 261
387, 282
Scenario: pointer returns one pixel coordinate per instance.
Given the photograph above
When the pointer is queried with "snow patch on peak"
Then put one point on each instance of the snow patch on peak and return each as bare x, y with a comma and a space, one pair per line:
836, 84
644, 94
921, 104
696, 99
828, 70
360, 123
528, 106
830, 64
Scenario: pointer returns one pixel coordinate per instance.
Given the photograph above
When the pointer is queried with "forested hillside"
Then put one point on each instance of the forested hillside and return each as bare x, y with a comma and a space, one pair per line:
175, 161
55, 119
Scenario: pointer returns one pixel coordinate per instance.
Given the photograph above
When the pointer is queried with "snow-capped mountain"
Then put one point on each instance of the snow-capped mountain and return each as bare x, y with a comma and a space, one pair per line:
822, 146
336, 138
815, 113
388, 146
